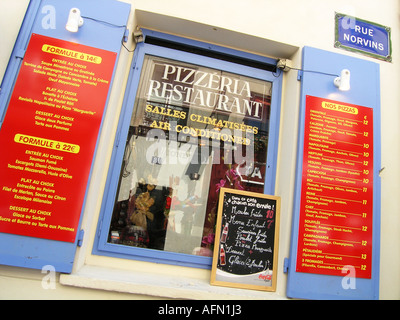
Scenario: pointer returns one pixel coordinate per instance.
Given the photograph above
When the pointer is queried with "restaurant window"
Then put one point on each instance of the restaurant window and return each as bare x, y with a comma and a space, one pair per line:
193, 129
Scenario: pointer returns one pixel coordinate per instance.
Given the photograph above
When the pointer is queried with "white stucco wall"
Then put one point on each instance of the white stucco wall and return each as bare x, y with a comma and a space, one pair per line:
278, 28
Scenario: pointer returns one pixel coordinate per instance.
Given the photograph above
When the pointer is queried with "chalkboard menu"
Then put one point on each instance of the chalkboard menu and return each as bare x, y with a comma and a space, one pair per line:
246, 242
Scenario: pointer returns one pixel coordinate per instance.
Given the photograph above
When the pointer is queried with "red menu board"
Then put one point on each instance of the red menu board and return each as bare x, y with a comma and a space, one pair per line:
49, 135
336, 209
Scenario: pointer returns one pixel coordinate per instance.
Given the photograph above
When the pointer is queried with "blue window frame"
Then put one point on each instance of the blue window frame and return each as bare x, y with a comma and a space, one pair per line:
191, 52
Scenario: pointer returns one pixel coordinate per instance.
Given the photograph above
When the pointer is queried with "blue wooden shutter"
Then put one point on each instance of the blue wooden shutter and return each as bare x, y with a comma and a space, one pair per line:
105, 28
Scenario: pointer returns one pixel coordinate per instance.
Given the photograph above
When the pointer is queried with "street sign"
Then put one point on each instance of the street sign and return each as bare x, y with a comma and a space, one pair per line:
362, 36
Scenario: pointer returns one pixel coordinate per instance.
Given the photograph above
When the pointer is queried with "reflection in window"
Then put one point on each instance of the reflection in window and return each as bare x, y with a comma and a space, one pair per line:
193, 130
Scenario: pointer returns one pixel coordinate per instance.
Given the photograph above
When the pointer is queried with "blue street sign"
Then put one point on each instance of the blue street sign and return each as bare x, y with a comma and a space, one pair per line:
363, 36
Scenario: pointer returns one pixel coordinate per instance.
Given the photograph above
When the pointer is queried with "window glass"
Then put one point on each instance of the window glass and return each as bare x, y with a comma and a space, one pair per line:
193, 130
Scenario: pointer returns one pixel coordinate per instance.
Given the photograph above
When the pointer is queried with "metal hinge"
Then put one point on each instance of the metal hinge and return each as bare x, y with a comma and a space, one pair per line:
126, 35
286, 263
20, 54
300, 75
80, 237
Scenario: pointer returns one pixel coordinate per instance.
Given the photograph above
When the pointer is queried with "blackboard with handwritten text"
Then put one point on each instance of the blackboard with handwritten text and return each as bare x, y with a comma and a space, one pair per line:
246, 243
